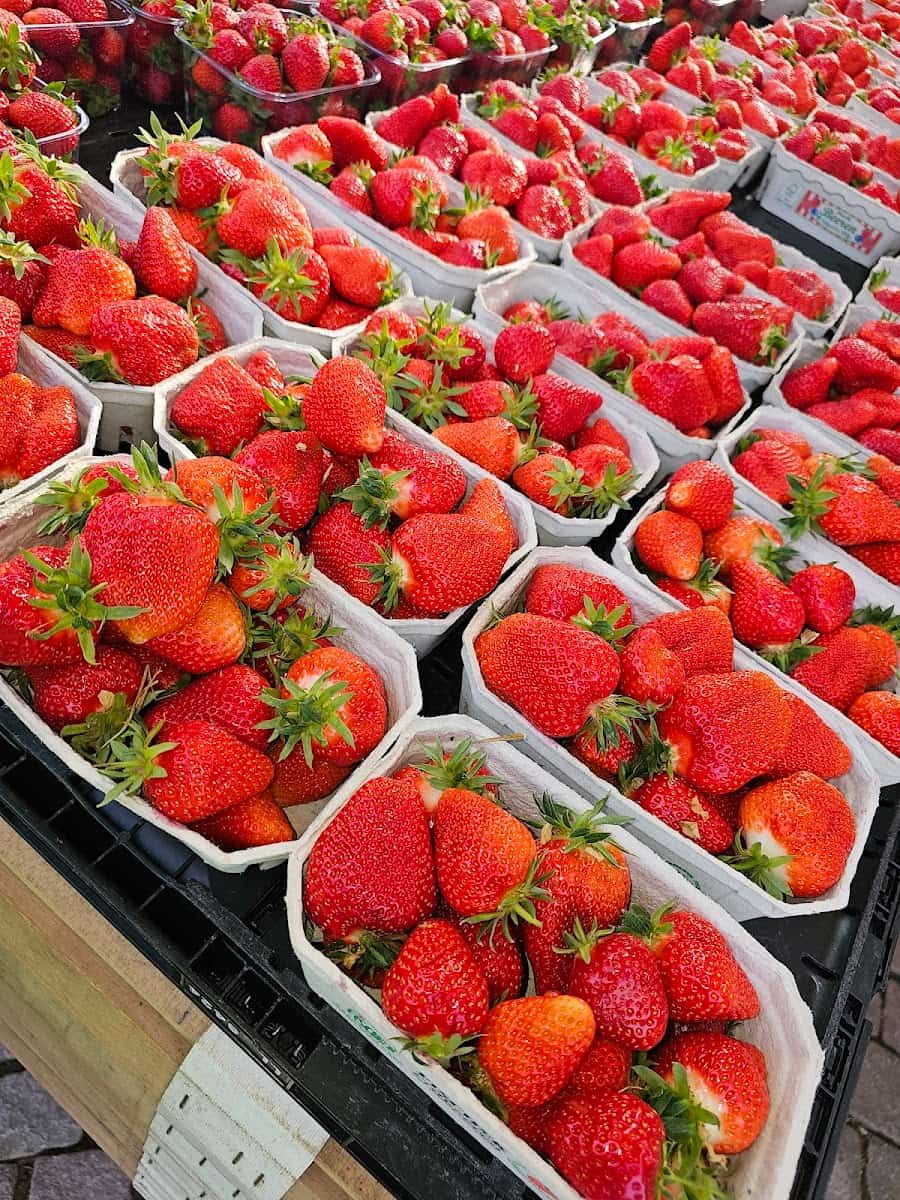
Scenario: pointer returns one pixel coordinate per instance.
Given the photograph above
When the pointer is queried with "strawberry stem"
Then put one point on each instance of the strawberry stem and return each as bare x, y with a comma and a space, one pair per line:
306, 714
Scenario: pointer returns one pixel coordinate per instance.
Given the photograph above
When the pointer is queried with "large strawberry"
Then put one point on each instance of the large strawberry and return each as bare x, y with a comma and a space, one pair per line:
798, 832
141, 342
571, 670
78, 692
162, 261
812, 745
220, 408
531, 1047
345, 407
371, 869
702, 638
435, 991
230, 698
214, 637
564, 592
607, 1146
79, 282
764, 611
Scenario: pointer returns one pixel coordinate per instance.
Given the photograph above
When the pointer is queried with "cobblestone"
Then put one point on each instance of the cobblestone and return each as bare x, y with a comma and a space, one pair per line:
883, 1169
31, 1121
846, 1178
87, 1173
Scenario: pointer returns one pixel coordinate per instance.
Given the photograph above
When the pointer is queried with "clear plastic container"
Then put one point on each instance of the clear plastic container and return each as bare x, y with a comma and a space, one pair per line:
705, 16
63, 145
154, 61
481, 69
209, 88
402, 80
627, 40
94, 71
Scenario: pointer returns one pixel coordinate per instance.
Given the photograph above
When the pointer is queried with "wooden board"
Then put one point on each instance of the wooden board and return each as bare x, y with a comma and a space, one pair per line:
100, 1027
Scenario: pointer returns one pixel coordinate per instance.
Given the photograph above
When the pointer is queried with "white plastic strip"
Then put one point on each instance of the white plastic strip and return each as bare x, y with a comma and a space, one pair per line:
225, 1130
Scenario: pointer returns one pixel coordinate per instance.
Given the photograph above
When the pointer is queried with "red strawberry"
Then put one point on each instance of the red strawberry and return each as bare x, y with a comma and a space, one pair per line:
345, 407
812, 745
810, 384
220, 408
292, 465
701, 638
835, 667
649, 670
676, 389
878, 713
702, 491
765, 612
670, 543
258, 821
522, 351
753, 329
230, 698
561, 591
531, 1047
687, 811
605, 1145
98, 696
827, 593
619, 978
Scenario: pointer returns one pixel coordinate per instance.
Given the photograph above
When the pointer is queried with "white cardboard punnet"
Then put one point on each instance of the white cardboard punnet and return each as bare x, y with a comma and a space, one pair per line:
783, 1031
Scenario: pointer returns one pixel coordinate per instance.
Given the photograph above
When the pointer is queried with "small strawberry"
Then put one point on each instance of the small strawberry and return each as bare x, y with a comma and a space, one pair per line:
258, 821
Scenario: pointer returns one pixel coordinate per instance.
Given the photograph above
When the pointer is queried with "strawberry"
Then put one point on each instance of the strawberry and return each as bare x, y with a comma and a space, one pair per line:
162, 261
531, 1047
765, 613
880, 557
670, 544
345, 407
292, 465
862, 365
640, 263
669, 297
260, 212
848, 509
682, 213
702, 491
485, 860
413, 480
730, 1078
649, 670
210, 330
213, 638
702, 978
79, 282
436, 963
701, 637
607, 1144
879, 625
835, 666
885, 442
231, 698
676, 389
523, 351
769, 466
198, 771
705, 280
22, 273
439, 562
371, 869
685, 810
306, 62
258, 821
753, 329
618, 977
743, 536
591, 672
36, 207
724, 730
407, 124
563, 406
296, 782
585, 881
810, 384
704, 589
332, 705
565, 593
586, 489
442, 770
799, 832
97, 695
487, 504
361, 274
804, 291
878, 713
670, 48
141, 342
220, 408
341, 546
850, 415
827, 593
812, 745
37, 427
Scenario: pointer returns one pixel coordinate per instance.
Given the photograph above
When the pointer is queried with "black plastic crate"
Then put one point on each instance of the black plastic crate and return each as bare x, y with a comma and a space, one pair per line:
224, 938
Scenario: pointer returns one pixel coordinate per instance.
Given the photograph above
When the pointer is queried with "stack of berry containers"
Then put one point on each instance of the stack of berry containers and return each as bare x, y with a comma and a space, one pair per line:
870, 591
362, 633
541, 282
86, 56
422, 633
783, 1030
128, 410
740, 897
154, 55
235, 110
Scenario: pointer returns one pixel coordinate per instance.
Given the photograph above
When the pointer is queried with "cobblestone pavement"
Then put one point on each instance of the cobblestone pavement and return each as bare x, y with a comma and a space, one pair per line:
45, 1156
43, 1153
868, 1162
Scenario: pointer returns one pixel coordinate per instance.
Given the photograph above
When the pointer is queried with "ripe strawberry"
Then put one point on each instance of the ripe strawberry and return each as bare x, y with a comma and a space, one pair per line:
835, 667
80, 693
765, 613
212, 638
605, 1145
439, 562
332, 705
640, 263
37, 426
753, 329
531, 1047
563, 406
523, 351
296, 782
435, 991
730, 1076
879, 626
572, 670
79, 282
702, 978
361, 274
407, 124
724, 730
341, 546
197, 771
799, 831
262, 211
701, 637
292, 465
486, 503
618, 977
230, 698
163, 263
812, 745
848, 509
670, 544
41, 209
649, 670
669, 297
345, 407
141, 342
878, 713
371, 869
687, 811
702, 491
862, 365
676, 389
306, 61
827, 593
741, 537
565, 593
585, 881
769, 466
258, 821
880, 557
850, 415
220, 408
